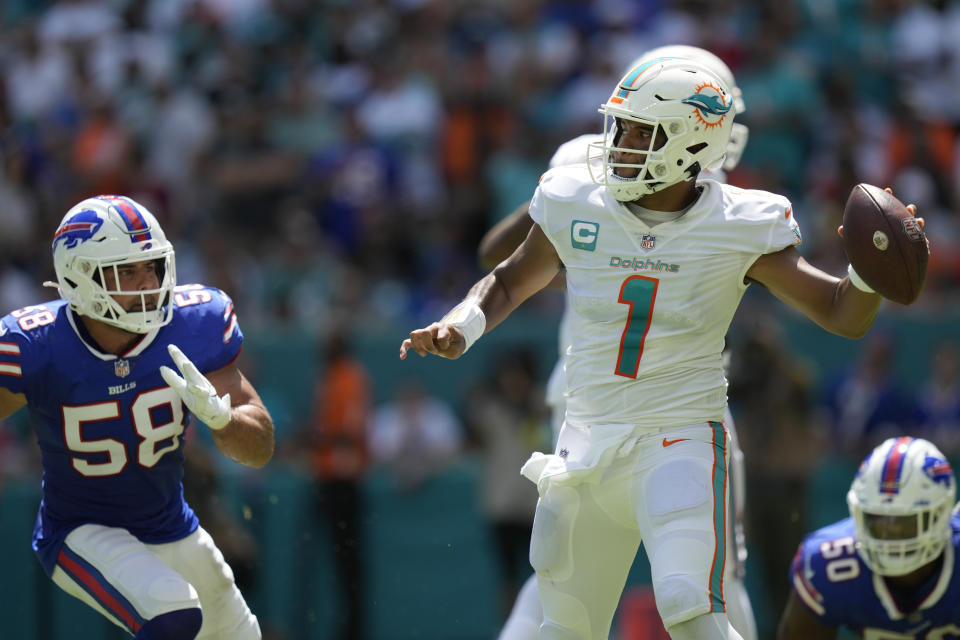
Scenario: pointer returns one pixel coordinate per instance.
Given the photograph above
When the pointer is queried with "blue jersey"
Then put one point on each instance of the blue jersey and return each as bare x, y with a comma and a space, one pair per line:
110, 430
834, 583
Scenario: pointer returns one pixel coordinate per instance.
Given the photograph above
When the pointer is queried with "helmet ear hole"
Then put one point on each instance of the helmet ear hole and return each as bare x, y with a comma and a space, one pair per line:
697, 148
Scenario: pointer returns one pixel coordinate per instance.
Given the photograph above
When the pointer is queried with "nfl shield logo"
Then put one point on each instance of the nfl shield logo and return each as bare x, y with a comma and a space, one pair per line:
912, 229
648, 240
121, 368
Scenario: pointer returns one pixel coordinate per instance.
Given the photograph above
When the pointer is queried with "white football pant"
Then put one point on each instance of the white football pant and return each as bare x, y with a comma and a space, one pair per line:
130, 582
607, 488
525, 618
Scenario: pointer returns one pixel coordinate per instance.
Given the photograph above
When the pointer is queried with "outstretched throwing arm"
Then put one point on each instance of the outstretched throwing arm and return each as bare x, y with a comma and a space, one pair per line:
530, 268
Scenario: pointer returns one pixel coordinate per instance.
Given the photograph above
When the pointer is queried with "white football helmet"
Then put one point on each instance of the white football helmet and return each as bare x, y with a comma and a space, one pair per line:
740, 133
692, 107
103, 233
900, 501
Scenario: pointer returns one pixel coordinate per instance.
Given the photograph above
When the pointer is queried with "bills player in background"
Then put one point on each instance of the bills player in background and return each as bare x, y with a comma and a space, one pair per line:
656, 263
109, 373
890, 571
497, 245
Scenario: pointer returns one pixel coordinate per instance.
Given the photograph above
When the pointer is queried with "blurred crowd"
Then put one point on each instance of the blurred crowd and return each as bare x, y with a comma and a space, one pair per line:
341, 159
334, 164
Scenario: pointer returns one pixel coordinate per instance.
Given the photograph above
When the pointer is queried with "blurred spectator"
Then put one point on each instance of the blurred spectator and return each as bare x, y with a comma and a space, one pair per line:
771, 400
352, 176
866, 401
938, 399
415, 435
78, 21
338, 433
408, 127
18, 213
38, 77
509, 420
183, 128
101, 151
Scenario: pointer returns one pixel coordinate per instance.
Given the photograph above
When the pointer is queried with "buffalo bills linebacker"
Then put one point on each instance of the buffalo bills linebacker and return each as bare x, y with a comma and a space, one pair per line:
109, 373
890, 571
497, 245
656, 263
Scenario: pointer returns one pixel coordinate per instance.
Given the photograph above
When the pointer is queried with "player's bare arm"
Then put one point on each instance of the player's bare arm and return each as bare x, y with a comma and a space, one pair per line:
529, 269
10, 402
248, 437
798, 623
833, 303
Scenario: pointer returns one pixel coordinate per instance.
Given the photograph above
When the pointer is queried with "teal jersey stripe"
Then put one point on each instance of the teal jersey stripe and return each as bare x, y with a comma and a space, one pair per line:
719, 515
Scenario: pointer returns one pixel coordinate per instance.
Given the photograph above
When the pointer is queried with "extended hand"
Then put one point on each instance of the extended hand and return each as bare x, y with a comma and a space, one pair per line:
197, 392
439, 339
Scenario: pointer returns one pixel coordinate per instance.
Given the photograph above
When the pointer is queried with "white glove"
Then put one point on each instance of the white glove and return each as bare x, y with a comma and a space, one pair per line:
197, 392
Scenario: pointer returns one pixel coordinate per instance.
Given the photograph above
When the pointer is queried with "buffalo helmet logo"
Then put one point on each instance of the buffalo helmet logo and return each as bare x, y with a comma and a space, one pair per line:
938, 470
78, 228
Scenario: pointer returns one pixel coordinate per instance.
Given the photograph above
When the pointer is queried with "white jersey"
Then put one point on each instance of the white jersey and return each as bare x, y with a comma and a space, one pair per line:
575, 151
650, 306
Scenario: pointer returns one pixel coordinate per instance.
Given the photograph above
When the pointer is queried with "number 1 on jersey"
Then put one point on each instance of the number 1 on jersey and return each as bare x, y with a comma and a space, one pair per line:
639, 292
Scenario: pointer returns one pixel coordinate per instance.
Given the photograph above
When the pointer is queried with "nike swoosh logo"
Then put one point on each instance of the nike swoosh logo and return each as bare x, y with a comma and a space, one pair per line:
3, 330
667, 443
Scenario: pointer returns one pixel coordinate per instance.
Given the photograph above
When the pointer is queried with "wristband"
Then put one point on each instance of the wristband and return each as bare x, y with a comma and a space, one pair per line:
857, 281
469, 319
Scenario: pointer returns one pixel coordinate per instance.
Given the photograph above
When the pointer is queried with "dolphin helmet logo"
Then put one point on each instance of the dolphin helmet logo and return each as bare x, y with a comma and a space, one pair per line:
78, 228
710, 105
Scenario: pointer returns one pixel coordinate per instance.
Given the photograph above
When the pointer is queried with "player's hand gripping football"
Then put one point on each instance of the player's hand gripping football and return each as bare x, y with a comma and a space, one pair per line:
197, 392
439, 339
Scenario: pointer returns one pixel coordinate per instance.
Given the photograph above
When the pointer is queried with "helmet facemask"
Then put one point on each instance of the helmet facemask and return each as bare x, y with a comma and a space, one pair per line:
653, 166
92, 298
894, 545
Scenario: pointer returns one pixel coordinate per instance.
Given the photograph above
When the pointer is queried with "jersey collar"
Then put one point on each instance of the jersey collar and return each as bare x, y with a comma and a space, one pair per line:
890, 605
694, 215
88, 342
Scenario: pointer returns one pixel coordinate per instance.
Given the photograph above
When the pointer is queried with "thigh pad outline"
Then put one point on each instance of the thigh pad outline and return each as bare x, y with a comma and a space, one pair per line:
677, 485
551, 545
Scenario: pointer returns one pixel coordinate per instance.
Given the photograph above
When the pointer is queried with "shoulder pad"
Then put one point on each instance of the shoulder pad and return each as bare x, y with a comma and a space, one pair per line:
567, 182
573, 151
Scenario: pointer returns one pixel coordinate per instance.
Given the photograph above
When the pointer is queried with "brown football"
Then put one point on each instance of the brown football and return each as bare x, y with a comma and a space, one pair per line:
885, 244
